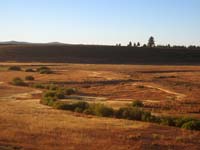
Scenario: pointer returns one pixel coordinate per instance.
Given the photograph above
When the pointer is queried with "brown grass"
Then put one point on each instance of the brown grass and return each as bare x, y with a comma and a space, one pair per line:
26, 124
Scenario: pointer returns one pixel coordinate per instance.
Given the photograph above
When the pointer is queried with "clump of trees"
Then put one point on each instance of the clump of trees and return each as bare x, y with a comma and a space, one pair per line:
151, 43
130, 44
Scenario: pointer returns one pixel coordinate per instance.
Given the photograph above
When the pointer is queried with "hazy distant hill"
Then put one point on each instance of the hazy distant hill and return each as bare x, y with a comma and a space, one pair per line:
14, 42
28, 43
97, 54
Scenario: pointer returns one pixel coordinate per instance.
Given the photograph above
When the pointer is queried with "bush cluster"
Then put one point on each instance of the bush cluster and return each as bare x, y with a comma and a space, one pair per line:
29, 78
14, 68
78, 106
191, 125
50, 97
55, 94
44, 70
48, 101
181, 122
53, 87
29, 70
100, 110
84, 107
18, 81
133, 112
137, 103
39, 86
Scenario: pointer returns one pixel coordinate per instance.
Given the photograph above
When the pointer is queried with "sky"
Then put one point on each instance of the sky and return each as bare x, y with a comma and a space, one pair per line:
175, 22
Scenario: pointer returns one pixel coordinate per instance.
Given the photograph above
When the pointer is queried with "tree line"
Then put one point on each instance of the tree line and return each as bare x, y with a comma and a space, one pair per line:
151, 44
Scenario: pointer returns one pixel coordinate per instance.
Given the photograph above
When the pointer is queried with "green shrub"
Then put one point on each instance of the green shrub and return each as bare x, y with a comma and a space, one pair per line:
60, 95
141, 86
29, 78
180, 121
52, 87
14, 68
39, 86
155, 119
44, 70
29, 70
191, 125
136, 114
169, 121
81, 105
78, 110
18, 81
146, 116
55, 94
49, 94
70, 91
88, 111
63, 106
48, 101
132, 113
137, 103
78, 106
122, 113
101, 110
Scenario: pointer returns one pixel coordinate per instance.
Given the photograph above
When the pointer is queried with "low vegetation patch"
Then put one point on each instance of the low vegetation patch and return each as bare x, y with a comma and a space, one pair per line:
29, 70
29, 78
14, 68
140, 86
192, 125
54, 94
100, 110
53, 87
137, 103
39, 86
132, 112
44, 70
18, 81
165, 77
70, 91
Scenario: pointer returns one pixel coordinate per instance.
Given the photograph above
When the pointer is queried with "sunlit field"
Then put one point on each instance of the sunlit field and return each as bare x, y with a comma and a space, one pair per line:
164, 91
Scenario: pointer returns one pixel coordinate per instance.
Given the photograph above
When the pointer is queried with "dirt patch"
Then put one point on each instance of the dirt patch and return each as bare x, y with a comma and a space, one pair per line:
178, 96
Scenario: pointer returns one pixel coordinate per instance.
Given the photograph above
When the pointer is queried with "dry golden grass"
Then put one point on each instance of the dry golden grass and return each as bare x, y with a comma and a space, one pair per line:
26, 124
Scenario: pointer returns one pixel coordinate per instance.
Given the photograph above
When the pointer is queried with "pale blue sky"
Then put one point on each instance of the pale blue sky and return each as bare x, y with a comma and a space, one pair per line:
101, 21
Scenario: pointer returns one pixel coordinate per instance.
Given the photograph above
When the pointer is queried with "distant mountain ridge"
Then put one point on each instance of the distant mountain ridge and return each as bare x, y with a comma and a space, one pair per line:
27, 43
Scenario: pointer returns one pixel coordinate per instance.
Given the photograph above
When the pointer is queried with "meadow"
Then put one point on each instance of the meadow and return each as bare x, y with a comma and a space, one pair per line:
167, 91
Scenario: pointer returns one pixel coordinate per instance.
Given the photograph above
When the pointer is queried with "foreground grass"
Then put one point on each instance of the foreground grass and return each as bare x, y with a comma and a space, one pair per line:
29, 125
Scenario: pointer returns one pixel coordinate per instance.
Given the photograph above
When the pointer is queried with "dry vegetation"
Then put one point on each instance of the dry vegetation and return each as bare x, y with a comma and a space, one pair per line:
164, 90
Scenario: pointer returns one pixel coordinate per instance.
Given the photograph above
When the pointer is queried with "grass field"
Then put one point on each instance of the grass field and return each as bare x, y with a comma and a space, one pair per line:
164, 90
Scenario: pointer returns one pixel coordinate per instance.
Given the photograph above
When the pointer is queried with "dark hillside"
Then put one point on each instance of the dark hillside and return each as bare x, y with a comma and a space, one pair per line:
98, 54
